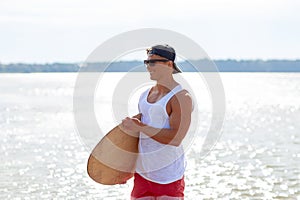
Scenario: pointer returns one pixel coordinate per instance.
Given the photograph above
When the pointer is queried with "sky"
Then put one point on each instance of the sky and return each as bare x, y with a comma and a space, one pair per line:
47, 31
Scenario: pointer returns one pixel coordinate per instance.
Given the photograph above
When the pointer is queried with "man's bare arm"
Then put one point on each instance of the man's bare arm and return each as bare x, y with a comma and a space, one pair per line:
180, 119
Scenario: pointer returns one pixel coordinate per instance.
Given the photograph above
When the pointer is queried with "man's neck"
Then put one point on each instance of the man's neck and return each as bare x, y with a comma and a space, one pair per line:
166, 85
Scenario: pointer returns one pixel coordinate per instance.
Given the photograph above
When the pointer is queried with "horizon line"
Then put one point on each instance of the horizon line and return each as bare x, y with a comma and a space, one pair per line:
136, 60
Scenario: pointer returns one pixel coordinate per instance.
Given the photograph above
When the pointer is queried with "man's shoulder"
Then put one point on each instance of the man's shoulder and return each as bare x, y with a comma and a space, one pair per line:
182, 96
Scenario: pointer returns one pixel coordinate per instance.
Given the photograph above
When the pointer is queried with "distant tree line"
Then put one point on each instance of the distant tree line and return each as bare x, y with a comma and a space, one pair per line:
137, 66
30, 68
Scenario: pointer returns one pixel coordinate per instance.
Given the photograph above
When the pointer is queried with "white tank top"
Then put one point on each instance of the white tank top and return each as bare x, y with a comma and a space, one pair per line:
158, 162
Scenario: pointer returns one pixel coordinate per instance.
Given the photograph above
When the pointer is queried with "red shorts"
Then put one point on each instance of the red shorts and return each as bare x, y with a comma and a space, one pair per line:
144, 188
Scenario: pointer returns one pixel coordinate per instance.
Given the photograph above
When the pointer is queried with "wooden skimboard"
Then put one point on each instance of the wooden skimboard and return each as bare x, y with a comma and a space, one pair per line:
113, 159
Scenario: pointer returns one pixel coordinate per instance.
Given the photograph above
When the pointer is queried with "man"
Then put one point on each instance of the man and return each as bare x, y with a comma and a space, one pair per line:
164, 119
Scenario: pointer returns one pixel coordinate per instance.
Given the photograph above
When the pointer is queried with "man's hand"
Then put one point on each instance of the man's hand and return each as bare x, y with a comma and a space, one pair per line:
131, 126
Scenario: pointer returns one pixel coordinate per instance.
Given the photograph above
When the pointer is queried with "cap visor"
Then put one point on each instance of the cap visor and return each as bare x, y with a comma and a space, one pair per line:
176, 69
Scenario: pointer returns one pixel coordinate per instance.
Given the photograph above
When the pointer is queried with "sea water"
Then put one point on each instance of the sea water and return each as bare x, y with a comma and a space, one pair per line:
257, 154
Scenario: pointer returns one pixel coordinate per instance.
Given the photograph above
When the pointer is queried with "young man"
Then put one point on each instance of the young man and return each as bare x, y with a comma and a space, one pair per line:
164, 119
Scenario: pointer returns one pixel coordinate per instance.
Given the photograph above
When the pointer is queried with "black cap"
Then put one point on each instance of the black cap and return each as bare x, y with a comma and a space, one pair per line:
167, 52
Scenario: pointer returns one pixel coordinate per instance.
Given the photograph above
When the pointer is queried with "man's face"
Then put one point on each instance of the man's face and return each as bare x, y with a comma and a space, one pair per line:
159, 69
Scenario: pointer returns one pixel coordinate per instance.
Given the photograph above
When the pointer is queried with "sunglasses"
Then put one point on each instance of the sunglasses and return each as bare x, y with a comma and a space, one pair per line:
152, 62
